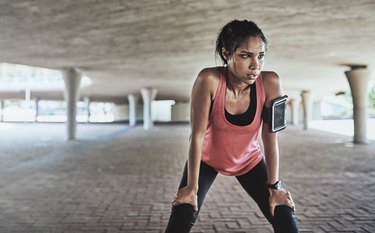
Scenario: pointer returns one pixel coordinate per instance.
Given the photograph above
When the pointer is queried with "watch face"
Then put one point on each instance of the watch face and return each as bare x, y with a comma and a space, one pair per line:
278, 185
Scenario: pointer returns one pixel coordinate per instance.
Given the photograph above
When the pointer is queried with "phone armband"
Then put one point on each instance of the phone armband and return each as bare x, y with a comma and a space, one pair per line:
277, 114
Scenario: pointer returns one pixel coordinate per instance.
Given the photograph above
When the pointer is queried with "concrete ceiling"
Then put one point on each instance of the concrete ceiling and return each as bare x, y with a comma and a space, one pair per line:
124, 46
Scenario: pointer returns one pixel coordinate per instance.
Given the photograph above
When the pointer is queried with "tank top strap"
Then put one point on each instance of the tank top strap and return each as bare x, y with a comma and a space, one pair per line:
261, 96
223, 83
220, 92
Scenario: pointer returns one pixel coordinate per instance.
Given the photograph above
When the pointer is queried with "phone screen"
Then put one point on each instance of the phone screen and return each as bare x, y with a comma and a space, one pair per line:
278, 114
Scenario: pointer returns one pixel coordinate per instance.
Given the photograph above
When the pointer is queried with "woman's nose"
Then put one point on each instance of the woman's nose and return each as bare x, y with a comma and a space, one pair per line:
254, 64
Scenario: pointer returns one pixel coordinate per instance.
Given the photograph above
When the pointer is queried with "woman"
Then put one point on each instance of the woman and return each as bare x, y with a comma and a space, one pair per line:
226, 115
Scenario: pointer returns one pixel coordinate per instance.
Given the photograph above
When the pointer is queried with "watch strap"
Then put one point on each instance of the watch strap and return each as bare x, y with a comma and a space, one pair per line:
276, 185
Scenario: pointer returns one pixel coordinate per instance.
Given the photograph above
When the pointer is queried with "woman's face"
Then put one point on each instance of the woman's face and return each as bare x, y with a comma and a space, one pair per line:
247, 61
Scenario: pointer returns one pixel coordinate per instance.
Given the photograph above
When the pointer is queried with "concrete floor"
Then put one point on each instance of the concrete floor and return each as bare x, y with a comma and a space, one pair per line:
117, 179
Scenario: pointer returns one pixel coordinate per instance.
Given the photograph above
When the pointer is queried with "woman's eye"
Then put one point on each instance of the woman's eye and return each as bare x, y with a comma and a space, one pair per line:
245, 56
261, 56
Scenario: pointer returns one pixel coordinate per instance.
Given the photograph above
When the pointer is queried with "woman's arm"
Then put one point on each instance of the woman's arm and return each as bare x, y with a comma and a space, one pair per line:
202, 94
273, 90
271, 152
199, 114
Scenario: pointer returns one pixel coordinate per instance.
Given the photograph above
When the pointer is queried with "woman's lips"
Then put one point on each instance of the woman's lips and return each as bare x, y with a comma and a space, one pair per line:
253, 75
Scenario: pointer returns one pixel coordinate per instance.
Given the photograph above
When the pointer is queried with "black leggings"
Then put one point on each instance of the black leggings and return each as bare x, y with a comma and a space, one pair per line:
183, 216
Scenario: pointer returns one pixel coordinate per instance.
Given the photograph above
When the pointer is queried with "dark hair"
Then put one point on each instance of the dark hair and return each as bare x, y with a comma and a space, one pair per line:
234, 33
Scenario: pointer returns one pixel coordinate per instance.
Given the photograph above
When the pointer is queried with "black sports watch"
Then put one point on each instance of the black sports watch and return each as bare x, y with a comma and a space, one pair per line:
276, 185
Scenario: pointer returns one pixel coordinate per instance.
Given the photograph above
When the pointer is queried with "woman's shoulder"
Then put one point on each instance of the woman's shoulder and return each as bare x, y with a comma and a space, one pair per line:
270, 78
269, 75
210, 76
211, 73
209, 79
271, 84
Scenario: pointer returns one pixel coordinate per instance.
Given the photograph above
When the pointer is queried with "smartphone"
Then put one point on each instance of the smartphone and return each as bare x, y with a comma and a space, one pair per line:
278, 120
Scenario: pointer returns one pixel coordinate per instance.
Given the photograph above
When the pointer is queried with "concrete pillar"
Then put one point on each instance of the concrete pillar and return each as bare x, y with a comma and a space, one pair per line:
358, 78
72, 79
1, 110
307, 107
87, 104
28, 96
36, 109
294, 105
148, 95
28, 118
133, 100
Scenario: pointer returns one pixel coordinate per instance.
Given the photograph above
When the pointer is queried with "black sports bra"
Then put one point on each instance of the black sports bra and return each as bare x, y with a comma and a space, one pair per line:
247, 117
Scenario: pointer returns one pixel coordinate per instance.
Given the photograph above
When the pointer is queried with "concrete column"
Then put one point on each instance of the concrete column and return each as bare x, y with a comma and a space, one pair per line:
1, 110
72, 79
133, 100
87, 104
28, 104
358, 79
294, 105
148, 95
28, 96
36, 109
307, 106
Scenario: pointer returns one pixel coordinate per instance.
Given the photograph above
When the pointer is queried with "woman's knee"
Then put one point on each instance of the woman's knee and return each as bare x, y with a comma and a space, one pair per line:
182, 218
284, 220
284, 211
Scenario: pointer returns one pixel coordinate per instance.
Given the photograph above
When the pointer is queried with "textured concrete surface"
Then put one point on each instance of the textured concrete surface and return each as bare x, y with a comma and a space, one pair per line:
115, 179
127, 45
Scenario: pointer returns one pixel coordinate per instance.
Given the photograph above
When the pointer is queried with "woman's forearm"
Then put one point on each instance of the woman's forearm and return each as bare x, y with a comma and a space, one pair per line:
272, 163
271, 152
195, 153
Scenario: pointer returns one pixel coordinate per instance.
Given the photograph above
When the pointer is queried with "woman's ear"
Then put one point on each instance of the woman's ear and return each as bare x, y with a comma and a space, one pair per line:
225, 54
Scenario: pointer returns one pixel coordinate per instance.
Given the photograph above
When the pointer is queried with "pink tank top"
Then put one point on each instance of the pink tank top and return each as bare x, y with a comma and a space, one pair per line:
230, 149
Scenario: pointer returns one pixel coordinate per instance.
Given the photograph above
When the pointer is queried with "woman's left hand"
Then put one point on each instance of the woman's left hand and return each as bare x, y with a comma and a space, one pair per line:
280, 197
186, 195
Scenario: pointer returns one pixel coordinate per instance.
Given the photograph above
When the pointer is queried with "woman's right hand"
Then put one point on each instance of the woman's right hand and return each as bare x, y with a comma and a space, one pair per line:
280, 197
186, 195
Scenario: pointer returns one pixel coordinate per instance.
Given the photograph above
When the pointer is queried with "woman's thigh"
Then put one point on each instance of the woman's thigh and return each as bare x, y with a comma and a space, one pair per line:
206, 178
183, 216
254, 183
